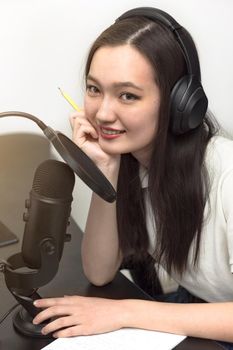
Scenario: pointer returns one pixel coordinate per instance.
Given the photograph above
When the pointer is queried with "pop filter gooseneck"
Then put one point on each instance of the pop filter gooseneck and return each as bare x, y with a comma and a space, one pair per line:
79, 162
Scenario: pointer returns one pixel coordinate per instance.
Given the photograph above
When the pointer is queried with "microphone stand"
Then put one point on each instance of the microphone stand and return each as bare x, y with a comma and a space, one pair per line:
23, 283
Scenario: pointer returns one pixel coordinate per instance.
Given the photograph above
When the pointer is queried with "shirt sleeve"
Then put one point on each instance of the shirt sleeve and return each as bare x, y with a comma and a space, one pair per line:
227, 206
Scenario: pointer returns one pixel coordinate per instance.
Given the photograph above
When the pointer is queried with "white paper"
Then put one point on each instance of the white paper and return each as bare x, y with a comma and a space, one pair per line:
123, 339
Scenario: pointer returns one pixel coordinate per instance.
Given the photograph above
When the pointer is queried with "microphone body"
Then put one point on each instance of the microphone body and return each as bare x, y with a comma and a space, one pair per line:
48, 211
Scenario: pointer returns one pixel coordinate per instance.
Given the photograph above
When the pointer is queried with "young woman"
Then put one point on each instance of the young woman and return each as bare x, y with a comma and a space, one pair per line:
174, 188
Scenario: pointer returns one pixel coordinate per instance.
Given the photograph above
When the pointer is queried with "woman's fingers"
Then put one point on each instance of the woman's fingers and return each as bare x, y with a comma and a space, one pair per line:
52, 311
53, 307
60, 323
83, 130
75, 115
70, 332
64, 311
83, 133
47, 302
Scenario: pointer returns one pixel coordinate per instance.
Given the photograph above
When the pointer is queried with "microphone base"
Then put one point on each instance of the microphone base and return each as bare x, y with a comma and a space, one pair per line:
23, 323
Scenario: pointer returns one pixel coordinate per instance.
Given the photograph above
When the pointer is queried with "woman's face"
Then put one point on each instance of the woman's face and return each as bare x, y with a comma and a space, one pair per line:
122, 101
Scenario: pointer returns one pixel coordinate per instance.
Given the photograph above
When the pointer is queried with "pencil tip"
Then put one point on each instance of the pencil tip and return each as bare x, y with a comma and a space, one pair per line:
60, 90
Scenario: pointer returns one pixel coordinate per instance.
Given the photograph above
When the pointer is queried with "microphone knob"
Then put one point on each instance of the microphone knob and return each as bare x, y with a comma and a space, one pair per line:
49, 247
27, 203
25, 217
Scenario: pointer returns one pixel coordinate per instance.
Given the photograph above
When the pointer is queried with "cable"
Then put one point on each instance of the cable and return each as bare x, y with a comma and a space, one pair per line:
8, 312
2, 268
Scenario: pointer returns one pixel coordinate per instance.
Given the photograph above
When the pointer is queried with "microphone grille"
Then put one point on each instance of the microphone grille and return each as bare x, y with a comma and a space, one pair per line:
53, 179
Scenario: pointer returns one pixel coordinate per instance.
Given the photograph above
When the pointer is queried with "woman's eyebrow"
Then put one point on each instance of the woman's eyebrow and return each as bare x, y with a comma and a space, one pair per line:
117, 84
90, 77
127, 84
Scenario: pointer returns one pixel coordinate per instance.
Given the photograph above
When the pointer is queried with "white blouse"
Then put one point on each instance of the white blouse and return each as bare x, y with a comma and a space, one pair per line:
211, 279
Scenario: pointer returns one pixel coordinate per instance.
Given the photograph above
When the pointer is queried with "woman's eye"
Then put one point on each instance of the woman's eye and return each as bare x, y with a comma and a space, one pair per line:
127, 96
92, 90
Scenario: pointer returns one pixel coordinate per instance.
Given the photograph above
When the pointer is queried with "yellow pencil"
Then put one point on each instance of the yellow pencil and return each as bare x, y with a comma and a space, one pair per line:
69, 100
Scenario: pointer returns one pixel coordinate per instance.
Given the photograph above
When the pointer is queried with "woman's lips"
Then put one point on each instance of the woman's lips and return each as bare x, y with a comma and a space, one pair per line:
110, 133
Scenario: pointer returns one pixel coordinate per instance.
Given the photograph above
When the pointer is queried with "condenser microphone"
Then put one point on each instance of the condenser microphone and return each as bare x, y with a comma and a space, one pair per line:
48, 211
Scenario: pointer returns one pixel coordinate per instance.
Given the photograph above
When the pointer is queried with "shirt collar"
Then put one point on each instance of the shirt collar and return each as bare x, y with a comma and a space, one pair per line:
143, 174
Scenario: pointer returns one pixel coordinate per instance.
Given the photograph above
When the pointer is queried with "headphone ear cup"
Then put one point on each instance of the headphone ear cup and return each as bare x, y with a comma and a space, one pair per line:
188, 105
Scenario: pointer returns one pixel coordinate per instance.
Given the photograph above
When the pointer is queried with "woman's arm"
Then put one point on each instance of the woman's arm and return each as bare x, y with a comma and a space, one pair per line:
204, 320
86, 316
101, 256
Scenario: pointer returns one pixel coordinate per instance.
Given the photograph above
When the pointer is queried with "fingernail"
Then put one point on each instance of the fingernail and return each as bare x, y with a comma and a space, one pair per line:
43, 331
35, 303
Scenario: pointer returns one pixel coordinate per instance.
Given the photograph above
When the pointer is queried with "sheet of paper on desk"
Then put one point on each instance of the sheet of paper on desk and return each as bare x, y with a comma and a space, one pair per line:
123, 339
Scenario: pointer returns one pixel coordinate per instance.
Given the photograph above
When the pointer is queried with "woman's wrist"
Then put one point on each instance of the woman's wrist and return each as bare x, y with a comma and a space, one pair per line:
110, 170
137, 313
130, 313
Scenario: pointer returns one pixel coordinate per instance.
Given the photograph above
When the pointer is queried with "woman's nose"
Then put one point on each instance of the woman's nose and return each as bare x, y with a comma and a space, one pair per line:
105, 112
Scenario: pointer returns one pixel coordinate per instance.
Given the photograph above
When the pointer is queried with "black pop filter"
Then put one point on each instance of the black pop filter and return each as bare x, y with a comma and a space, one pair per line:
79, 162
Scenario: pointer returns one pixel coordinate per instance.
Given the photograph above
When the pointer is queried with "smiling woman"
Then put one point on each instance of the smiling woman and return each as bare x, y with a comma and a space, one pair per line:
145, 125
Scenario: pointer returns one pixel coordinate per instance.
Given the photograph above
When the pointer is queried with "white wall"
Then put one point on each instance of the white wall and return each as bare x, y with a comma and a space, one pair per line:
43, 45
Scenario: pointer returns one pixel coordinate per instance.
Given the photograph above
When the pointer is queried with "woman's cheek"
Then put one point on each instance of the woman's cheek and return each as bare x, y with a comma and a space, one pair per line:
90, 110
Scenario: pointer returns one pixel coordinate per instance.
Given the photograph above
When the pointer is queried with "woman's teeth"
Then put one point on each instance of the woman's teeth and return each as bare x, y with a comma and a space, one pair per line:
111, 132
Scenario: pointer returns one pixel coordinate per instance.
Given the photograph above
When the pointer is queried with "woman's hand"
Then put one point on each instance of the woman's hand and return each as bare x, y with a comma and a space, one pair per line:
85, 135
76, 315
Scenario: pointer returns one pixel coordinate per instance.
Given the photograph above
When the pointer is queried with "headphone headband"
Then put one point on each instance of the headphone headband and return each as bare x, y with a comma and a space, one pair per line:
185, 41
188, 102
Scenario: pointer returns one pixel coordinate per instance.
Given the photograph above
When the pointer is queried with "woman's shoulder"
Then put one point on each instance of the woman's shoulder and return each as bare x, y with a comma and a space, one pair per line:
221, 142
219, 155
220, 147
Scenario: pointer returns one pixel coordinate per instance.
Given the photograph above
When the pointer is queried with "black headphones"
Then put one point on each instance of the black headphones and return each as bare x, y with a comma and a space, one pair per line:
188, 101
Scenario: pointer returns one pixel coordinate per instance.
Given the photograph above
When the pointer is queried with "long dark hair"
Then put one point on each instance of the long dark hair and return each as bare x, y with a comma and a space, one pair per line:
178, 179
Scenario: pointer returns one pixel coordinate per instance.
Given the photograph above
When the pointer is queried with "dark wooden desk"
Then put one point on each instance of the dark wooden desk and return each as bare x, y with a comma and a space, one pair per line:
70, 280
